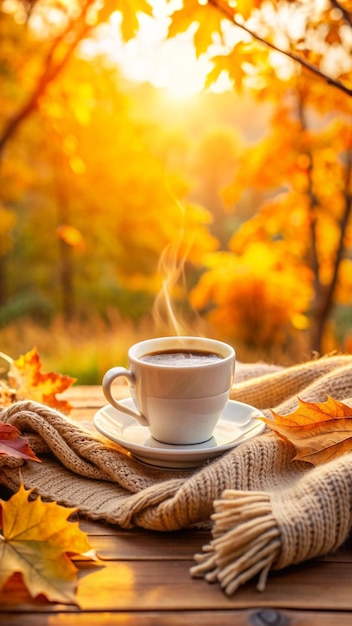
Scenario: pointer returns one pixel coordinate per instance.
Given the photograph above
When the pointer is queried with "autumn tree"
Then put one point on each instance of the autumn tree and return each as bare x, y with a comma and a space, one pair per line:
29, 64
295, 54
308, 211
38, 41
102, 199
298, 55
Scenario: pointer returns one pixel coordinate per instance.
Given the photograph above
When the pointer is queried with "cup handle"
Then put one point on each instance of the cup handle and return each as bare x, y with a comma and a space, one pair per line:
108, 379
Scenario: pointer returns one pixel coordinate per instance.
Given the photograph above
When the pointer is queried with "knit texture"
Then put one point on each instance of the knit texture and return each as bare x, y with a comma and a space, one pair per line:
265, 509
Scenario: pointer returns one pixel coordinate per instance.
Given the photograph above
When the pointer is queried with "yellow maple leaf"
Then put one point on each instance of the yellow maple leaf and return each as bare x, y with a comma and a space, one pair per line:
30, 383
38, 542
204, 19
129, 10
229, 63
318, 431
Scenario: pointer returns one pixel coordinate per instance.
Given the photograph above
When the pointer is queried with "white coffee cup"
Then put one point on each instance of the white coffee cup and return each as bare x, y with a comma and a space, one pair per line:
179, 398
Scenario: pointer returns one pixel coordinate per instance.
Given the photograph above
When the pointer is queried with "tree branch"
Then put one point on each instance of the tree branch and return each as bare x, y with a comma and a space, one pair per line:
49, 73
343, 223
230, 15
324, 294
313, 259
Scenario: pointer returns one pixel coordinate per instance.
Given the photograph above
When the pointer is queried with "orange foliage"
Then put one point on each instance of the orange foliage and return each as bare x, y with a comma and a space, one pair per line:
256, 296
94, 171
28, 382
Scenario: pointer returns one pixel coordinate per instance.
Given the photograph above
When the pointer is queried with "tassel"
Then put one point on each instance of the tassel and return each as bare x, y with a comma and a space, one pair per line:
246, 541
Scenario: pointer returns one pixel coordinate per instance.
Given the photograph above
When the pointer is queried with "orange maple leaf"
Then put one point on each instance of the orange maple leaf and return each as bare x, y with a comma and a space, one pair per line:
318, 431
12, 444
30, 383
37, 541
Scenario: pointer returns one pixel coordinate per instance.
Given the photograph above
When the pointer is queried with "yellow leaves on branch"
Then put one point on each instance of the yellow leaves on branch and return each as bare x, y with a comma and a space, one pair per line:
318, 431
38, 542
26, 381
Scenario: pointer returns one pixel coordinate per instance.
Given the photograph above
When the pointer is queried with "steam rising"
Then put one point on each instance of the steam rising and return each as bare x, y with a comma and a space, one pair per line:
171, 266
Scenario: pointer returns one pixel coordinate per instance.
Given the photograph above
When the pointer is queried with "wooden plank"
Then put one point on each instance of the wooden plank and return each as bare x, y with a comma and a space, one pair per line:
257, 617
144, 579
142, 545
167, 586
84, 415
120, 544
86, 400
93, 395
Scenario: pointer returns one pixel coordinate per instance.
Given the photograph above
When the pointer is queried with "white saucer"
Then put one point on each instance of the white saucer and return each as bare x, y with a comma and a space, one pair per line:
237, 424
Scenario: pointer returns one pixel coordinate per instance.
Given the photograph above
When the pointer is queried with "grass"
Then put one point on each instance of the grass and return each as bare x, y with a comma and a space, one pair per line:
83, 350
86, 350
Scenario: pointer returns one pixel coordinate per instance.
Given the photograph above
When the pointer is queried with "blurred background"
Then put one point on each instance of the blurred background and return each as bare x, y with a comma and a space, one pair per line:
163, 170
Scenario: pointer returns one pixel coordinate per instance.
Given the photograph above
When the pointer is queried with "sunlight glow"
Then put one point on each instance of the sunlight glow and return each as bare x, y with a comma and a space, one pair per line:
180, 73
171, 65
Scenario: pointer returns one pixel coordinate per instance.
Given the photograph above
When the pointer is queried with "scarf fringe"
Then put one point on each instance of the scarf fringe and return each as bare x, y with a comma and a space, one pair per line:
246, 541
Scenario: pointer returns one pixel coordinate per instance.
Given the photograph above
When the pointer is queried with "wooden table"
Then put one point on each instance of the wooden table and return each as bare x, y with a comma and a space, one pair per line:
145, 581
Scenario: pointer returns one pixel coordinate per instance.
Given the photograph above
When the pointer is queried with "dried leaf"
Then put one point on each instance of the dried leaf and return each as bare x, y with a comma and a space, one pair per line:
38, 541
318, 431
30, 383
12, 444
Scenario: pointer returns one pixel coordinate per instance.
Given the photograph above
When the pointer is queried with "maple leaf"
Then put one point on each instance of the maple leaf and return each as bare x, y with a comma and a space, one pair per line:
38, 542
318, 431
230, 63
30, 383
12, 444
206, 18
129, 10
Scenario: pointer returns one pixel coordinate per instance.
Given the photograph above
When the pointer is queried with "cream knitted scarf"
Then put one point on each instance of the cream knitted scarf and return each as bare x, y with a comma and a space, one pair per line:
265, 510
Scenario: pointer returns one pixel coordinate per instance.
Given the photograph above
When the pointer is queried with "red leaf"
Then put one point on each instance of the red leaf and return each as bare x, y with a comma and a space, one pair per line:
12, 444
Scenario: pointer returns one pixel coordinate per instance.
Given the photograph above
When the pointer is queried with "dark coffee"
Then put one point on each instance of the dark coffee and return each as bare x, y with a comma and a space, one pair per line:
180, 357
